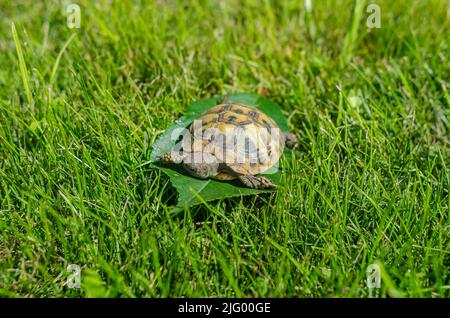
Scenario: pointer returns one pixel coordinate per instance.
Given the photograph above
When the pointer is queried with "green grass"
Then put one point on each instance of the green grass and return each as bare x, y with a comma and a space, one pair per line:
81, 108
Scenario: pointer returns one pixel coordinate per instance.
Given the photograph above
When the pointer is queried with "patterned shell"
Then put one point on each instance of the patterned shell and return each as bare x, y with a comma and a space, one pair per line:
243, 137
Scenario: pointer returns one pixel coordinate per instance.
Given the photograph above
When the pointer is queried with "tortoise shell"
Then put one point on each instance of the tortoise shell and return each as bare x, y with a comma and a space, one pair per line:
242, 137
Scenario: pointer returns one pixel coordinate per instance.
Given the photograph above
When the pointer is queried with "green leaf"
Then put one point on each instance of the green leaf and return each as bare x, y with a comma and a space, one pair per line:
193, 191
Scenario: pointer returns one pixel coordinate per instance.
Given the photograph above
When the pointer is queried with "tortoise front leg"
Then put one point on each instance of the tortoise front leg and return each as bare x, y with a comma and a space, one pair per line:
290, 139
172, 157
256, 182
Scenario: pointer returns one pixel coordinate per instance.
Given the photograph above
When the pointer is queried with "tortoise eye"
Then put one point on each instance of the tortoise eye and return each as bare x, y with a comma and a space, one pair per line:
179, 138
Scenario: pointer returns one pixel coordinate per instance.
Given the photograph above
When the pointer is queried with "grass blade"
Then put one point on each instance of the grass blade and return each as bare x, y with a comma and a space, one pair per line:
22, 65
58, 58
352, 35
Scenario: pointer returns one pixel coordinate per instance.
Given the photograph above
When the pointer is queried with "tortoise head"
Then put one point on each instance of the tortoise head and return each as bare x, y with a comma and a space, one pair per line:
198, 164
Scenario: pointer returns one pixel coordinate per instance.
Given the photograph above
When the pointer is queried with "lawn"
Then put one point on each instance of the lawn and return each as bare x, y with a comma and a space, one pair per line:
80, 109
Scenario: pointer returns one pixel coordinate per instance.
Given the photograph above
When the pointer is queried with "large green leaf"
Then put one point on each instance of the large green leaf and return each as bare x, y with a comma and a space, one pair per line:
191, 191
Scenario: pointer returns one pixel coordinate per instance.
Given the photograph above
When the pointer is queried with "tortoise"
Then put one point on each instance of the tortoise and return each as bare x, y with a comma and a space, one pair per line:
231, 141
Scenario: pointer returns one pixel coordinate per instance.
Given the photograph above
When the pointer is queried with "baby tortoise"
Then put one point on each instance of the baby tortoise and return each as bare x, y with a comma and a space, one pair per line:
232, 141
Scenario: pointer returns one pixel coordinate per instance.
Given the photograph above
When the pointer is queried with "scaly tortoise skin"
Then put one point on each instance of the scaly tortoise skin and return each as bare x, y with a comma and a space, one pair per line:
240, 142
